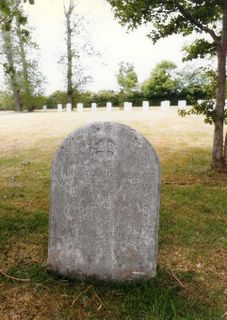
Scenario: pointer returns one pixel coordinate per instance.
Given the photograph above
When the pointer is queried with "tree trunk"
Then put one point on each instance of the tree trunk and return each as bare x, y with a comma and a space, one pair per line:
10, 69
225, 153
69, 58
25, 72
218, 150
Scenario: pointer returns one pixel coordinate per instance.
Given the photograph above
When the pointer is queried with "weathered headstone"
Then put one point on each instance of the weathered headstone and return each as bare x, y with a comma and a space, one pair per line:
59, 107
145, 106
105, 205
68, 107
109, 106
200, 101
94, 106
45, 108
80, 107
182, 104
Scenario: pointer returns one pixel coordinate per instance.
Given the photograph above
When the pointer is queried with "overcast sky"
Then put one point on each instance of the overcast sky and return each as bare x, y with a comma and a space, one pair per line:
110, 39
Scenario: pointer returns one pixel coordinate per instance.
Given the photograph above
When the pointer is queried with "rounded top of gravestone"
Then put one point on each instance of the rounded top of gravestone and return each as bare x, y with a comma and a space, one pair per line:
111, 129
105, 204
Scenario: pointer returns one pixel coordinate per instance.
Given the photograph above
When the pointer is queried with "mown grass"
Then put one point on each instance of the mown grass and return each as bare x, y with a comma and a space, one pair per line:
190, 283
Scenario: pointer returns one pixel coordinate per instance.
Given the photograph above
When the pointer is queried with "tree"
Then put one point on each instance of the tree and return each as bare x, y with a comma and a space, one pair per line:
170, 17
68, 14
194, 84
9, 9
127, 79
78, 44
161, 83
9, 65
30, 77
22, 73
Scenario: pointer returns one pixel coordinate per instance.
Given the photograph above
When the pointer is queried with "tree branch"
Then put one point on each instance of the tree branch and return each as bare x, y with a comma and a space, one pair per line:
198, 24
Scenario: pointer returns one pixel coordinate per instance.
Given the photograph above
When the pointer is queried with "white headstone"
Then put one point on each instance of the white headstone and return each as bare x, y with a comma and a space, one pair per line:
68, 107
126, 106
45, 108
145, 106
200, 101
59, 107
225, 104
109, 106
80, 107
182, 104
94, 106
165, 105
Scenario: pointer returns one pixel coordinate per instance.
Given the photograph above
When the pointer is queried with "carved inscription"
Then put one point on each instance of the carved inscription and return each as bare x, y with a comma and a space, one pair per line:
104, 149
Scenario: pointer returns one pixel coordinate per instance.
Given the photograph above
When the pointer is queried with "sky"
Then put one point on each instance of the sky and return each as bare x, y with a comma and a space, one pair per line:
112, 41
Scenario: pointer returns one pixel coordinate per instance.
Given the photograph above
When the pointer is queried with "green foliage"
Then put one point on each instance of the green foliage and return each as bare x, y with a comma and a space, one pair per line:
161, 83
206, 108
6, 101
104, 96
19, 70
194, 84
8, 12
205, 80
169, 16
199, 49
127, 78
55, 98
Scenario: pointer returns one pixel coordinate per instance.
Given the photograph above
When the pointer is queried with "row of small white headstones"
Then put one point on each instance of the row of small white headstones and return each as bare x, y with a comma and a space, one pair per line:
165, 105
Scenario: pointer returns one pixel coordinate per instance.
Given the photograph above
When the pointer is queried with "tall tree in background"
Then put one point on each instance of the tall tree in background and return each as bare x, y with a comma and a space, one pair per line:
68, 16
161, 83
79, 47
8, 11
170, 17
30, 77
22, 36
127, 79
21, 72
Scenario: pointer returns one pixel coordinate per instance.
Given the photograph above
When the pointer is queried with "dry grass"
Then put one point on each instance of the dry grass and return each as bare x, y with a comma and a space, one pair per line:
164, 129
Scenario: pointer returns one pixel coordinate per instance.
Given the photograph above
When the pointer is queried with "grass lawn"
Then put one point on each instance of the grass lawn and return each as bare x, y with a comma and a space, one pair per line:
191, 279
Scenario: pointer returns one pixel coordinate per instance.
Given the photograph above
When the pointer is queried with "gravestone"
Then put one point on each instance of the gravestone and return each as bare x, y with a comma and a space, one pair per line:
127, 106
165, 105
94, 106
109, 106
145, 106
182, 104
105, 205
45, 108
80, 107
68, 107
59, 107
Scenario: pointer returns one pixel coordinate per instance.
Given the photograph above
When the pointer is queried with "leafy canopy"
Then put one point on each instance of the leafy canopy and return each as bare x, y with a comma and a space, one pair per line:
127, 78
169, 17
161, 82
